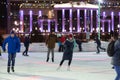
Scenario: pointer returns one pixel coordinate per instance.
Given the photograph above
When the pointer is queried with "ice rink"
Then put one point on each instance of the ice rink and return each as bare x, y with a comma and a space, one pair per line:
85, 66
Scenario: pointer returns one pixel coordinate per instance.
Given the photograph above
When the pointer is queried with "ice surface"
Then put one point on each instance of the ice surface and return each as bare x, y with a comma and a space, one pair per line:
85, 66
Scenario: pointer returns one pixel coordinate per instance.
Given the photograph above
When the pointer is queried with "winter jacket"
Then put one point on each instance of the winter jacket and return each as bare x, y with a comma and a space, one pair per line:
62, 40
97, 41
68, 52
50, 42
116, 56
26, 41
13, 44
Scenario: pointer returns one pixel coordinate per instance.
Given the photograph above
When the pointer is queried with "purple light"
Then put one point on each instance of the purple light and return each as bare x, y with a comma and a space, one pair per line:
63, 22
21, 20
112, 15
71, 20
48, 25
97, 19
41, 26
119, 17
91, 21
109, 26
40, 13
104, 14
78, 20
30, 20
85, 11
103, 25
56, 26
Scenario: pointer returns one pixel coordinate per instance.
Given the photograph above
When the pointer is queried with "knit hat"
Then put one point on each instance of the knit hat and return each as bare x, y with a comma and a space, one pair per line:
12, 32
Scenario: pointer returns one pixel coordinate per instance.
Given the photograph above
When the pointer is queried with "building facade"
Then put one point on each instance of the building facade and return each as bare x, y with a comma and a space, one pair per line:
73, 17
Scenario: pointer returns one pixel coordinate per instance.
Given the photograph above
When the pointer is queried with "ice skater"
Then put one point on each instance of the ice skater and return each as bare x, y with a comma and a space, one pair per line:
50, 43
13, 47
26, 44
116, 58
98, 42
79, 42
68, 51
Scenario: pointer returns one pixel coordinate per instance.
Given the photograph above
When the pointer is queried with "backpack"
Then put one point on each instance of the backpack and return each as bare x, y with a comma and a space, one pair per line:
110, 49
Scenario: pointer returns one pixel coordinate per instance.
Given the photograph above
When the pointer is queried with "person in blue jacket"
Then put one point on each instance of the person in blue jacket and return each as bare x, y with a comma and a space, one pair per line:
13, 46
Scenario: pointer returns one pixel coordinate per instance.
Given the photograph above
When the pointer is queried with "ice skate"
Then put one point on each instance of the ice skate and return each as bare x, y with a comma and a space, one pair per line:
8, 69
68, 68
52, 59
12, 68
58, 68
47, 60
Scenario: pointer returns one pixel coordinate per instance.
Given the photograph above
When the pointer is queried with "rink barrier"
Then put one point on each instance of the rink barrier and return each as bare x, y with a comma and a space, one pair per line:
41, 47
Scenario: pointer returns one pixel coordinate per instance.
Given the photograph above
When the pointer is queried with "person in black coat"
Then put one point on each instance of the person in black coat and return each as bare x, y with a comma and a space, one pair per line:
68, 51
97, 40
78, 41
26, 44
1, 41
116, 58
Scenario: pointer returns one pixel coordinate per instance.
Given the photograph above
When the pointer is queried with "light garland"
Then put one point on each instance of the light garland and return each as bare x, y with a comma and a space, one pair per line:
104, 4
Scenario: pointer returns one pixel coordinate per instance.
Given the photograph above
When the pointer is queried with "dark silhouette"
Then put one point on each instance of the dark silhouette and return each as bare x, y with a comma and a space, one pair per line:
26, 44
97, 40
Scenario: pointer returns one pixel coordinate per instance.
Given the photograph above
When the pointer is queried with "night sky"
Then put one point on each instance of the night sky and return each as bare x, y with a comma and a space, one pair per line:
3, 14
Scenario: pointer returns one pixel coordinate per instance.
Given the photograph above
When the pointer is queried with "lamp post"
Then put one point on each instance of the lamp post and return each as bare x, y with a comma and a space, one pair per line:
99, 1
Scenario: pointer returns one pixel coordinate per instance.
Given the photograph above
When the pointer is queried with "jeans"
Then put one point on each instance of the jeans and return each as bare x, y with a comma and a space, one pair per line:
117, 69
11, 58
26, 50
50, 50
61, 48
99, 47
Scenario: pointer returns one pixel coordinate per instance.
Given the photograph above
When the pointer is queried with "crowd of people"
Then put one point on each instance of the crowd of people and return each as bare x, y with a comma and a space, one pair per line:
66, 45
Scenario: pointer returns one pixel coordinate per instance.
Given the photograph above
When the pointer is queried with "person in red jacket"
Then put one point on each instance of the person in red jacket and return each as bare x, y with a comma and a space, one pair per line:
62, 41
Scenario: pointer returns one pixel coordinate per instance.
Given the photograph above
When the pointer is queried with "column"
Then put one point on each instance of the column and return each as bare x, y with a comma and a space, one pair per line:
31, 18
103, 23
56, 27
56, 22
78, 20
63, 20
85, 19
109, 26
22, 20
41, 24
70, 17
91, 21
112, 16
40, 13
119, 17
96, 19
49, 26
